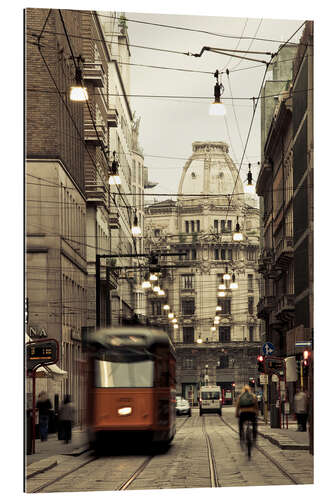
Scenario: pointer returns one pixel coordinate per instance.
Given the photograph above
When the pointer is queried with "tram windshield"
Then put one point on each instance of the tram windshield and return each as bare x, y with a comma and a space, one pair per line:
124, 374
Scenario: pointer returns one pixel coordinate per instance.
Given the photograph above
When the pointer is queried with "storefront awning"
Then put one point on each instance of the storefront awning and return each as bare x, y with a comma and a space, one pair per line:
51, 371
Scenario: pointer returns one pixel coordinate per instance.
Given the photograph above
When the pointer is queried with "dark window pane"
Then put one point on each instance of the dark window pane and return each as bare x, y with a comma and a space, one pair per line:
198, 226
188, 334
250, 303
223, 254
187, 227
192, 226
224, 333
188, 307
216, 251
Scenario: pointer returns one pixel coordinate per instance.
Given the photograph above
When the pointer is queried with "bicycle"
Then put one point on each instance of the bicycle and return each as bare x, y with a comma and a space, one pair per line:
248, 435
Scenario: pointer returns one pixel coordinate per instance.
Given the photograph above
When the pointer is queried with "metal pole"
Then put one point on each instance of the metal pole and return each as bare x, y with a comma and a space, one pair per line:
33, 411
98, 290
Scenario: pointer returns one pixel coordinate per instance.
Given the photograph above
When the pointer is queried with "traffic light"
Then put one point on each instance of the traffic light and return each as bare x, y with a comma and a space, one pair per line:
306, 362
261, 364
252, 382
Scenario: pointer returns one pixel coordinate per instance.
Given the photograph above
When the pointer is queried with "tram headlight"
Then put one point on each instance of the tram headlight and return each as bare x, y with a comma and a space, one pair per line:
125, 411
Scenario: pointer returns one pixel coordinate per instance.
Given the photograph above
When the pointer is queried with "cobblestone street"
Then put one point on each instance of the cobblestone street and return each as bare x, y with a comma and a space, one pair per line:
185, 464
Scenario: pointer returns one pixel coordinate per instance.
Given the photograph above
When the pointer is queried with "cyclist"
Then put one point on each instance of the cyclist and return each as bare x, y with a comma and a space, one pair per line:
247, 409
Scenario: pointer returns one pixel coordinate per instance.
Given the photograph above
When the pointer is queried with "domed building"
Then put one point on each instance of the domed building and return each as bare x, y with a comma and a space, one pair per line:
212, 286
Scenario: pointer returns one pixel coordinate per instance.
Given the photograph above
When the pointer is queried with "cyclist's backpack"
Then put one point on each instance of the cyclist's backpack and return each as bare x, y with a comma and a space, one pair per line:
246, 399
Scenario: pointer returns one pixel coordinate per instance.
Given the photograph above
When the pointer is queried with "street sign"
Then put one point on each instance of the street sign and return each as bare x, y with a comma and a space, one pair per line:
268, 348
42, 352
263, 378
303, 343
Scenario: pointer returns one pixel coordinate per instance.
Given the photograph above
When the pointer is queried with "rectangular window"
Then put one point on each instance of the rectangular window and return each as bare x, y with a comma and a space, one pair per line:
187, 256
192, 226
250, 282
251, 333
223, 254
198, 226
216, 254
187, 363
251, 254
216, 226
157, 232
222, 226
250, 305
229, 226
188, 307
225, 304
230, 254
224, 334
188, 334
156, 308
193, 254
224, 361
187, 281
187, 227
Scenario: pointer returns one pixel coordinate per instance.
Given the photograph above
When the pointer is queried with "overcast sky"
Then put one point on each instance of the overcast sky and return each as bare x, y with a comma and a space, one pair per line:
169, 126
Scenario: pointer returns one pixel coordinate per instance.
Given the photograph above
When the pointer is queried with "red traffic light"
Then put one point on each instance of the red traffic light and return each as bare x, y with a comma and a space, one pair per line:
260, 358
306, 354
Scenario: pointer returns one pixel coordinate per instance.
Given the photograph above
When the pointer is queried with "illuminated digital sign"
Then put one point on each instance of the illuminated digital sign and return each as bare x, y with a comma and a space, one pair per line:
42, 352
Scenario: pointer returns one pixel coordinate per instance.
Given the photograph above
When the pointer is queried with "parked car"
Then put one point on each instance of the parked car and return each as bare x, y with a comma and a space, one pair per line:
182, 406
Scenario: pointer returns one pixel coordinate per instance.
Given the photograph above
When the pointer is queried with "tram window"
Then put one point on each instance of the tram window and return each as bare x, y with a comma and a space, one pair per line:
133, 374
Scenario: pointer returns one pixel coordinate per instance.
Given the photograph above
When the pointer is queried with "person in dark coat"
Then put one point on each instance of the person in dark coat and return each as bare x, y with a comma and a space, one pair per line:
66, 416
44, 406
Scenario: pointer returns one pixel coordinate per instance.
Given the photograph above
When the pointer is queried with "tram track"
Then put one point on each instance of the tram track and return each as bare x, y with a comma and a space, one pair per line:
94, 458
263, 452
211, 459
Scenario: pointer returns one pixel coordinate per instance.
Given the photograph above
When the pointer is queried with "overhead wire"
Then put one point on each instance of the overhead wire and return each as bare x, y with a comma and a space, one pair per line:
184, 28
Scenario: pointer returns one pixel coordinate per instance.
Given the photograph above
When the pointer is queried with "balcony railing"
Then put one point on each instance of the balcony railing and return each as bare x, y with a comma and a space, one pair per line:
284, 251
285, 307
112, 117
264, 306
94, 136
95, 74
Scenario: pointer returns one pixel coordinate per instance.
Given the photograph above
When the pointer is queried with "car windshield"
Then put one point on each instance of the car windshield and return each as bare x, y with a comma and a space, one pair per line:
210, 395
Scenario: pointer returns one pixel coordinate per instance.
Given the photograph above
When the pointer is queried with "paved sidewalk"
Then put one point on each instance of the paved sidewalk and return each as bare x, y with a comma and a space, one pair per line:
47, 449
288, 439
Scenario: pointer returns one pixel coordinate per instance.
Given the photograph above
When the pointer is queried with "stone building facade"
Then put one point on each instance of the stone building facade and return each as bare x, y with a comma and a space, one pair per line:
285, 185
200, 224
72, 212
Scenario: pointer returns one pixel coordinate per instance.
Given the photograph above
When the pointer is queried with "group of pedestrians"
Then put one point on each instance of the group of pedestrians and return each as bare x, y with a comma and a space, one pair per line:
66, 417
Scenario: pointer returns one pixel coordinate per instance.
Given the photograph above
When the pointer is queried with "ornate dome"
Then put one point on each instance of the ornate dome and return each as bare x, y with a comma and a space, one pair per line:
210, 170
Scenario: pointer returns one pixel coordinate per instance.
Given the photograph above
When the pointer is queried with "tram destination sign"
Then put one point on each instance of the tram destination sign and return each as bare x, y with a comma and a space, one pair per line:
42, 352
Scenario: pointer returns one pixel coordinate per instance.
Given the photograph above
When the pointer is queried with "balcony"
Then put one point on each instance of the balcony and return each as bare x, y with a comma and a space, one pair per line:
94, 136
95, 74
96, 193
264, 306
112, 117
114, 220
284, 252
108, 277
285, 308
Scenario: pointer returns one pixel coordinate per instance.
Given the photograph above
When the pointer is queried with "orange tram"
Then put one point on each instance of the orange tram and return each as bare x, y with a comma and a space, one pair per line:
131, 387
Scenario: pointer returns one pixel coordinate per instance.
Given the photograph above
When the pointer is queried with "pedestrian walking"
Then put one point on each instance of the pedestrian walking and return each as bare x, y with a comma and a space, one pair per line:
44, 406
66, 417
301, 407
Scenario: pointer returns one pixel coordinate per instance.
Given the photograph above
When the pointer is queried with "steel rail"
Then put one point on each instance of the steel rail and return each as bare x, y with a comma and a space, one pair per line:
211, 459
124, 485
49, 483
274, 462
133, 477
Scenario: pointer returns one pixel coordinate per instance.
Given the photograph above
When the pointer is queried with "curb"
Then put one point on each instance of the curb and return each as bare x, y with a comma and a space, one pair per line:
41, 466
284, 446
